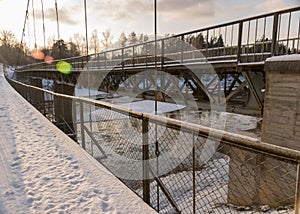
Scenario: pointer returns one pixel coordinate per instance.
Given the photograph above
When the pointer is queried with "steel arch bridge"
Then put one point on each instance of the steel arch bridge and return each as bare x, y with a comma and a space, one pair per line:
238, 61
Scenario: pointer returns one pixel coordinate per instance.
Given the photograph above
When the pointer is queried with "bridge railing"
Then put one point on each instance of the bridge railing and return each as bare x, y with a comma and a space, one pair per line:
243, 41
238, 174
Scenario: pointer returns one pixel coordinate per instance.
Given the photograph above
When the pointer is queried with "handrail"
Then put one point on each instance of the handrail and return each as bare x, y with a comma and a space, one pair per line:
241, 20
203, 131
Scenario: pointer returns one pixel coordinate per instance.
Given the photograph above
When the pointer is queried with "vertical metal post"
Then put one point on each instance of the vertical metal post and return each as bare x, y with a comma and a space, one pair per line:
123, 57
181, 47
264, 40
162, 53
146, 181
98, 61
298, 44
274, 35
231, 39
297, 191
86, 30
255, 39
288, 33
248, 38
156, 86
207, 42
194, 176
240, 33
82, 125
74, 115
57, 20
133, 50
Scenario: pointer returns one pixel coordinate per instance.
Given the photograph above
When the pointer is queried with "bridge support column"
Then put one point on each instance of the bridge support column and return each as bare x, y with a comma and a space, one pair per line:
281, 120
256, 84
257, 179
63, 108
36, 96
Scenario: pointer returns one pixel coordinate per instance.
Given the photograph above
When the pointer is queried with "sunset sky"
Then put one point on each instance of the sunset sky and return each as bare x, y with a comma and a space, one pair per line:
174, 16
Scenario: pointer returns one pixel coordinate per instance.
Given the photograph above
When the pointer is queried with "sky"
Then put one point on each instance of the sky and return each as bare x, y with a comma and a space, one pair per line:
173, 16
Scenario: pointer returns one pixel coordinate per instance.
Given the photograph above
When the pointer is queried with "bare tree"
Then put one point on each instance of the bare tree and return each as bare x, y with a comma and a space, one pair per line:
122, 39
106, 39
7, 38
132, 38
80, 43
94, 43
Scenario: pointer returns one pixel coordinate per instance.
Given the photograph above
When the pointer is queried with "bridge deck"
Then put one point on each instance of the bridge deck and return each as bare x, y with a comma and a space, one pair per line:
44, 170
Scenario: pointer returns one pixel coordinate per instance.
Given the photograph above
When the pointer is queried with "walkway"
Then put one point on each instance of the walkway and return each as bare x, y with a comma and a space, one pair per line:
43, 171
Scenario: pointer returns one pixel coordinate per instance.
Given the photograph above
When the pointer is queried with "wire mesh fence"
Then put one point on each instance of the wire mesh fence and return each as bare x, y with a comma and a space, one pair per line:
177, 167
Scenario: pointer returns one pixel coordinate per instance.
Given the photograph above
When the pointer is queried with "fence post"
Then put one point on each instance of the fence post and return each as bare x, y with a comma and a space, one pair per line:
239, 45
182, 51
82, 125
297, 192
162, 53
146, 181
194, 175
274, 35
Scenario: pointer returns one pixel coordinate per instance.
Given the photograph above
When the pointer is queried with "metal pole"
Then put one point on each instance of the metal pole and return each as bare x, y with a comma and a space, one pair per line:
146, 181
194, 176
82, 125
239, 48
155, 105
43, 17
57, 22
86, 31
155, 52
274, 35
297, 191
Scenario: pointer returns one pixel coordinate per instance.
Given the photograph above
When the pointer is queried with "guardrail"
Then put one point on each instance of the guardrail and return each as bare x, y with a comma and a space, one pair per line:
133, 146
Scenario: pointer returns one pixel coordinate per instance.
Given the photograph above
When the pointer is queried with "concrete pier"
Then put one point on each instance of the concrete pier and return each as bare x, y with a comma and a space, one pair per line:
255, 180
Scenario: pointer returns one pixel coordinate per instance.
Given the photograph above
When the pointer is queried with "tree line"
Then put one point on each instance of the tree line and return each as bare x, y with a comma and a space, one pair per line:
13, 52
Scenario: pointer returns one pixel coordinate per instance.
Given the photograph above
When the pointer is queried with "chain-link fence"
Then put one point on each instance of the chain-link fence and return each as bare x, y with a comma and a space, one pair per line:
177, 167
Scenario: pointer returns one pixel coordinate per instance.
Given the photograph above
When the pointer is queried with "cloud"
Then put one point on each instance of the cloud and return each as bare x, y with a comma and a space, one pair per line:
272, 5
129, 9
195, 9
65, 15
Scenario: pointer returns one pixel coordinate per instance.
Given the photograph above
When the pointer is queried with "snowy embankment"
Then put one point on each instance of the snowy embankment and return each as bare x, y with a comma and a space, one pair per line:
44, 171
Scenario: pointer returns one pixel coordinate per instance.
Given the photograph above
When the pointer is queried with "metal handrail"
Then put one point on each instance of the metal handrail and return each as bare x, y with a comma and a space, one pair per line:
203, 131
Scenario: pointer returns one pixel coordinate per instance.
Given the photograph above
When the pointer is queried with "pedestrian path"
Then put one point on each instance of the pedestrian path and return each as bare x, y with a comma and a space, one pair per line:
44, 171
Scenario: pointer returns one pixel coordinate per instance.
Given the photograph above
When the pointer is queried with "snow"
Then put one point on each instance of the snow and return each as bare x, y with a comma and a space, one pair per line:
44, 171
84, 92
293, 57
147, 106
143, 106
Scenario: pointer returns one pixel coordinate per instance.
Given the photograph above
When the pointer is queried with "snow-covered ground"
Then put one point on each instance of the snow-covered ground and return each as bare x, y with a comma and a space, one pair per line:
44, 171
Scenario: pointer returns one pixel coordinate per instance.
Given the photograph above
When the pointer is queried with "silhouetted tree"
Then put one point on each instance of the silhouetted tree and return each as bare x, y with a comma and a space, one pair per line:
62, 50
11, 52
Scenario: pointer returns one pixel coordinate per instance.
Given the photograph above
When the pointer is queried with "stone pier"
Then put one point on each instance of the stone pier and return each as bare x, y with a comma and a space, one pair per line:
256, 179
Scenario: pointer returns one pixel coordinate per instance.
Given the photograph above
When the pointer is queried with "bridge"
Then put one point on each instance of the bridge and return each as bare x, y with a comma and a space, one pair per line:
231, 65
229, 57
